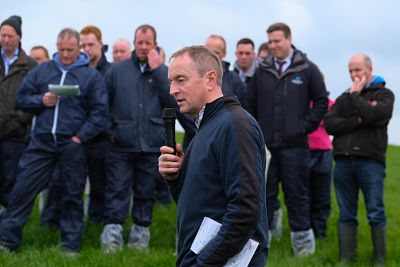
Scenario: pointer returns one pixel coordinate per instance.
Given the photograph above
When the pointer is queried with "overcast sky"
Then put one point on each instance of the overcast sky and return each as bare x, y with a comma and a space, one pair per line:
328, 31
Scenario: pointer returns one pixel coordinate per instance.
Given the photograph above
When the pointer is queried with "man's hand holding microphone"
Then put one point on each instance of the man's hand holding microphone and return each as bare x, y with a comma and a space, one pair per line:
171, 158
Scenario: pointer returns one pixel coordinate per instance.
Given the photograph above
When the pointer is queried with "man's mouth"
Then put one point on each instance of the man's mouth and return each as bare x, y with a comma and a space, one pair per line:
180, 100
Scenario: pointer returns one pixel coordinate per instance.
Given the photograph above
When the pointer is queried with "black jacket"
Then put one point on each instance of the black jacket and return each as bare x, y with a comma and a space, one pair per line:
359, 122
223, 178
281, 103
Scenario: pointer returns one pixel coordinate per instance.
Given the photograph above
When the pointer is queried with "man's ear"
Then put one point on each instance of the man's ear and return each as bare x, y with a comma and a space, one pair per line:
211, 78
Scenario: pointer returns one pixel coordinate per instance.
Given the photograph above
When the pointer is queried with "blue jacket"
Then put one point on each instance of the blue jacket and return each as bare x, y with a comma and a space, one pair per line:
103, 65
137, 101
84, 116
281, 103
232, 84
223, 178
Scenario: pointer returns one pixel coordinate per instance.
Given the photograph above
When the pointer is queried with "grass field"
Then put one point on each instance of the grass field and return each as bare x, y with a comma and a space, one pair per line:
40, 246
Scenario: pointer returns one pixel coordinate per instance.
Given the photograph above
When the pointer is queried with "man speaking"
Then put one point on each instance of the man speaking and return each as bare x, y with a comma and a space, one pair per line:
221, 176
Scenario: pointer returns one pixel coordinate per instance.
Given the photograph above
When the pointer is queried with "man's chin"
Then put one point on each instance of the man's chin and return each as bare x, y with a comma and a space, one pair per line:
142, 58
183, 109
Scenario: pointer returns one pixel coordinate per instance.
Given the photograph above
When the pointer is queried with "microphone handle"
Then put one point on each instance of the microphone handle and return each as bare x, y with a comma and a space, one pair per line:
170, 133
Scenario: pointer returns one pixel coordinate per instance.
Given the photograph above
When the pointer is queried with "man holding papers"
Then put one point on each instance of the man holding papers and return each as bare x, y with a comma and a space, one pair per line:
222, 174
61, 125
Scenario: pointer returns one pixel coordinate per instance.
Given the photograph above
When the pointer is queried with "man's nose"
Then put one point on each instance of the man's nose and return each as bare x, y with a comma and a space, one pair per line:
172, 89
64, 54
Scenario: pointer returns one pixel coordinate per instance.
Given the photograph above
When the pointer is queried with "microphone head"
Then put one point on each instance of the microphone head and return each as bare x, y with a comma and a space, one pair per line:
169, 113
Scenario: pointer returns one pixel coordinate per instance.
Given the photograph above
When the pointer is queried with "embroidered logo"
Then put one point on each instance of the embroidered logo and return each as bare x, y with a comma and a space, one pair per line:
297, 80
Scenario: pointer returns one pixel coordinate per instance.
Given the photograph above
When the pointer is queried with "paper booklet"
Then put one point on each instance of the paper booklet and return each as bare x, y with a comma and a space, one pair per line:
64, 89
208, 230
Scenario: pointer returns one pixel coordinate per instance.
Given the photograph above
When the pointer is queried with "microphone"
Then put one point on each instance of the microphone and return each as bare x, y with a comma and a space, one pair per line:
169, 116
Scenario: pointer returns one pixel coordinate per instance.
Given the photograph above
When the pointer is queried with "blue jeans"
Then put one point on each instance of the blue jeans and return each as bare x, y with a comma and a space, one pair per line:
352, 174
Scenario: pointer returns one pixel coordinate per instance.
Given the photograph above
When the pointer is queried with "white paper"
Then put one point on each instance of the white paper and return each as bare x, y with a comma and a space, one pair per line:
208, 230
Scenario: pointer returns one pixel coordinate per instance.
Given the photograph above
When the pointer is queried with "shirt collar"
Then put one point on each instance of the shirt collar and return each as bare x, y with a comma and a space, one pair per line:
8, 63
199, 118
288, 61
142, 67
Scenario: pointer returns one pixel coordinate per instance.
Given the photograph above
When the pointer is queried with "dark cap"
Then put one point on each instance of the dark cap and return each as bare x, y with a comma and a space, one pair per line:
15, 22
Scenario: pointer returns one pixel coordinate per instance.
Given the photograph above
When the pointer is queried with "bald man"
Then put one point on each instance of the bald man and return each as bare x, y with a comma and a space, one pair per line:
231, 83
40, 54
358, 121
121, 50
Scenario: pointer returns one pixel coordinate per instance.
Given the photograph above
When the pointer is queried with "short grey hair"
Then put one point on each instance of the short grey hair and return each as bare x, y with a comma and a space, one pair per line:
68, 33
203, 60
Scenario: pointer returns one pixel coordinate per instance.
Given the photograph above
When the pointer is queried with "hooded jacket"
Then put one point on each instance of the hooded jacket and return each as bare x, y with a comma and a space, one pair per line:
245, 76
281, 103
84, 116
14, 122
358, 122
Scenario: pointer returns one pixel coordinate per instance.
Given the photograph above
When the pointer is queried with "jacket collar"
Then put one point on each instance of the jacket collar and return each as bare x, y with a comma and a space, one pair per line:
102, 64
299, 62
212, 108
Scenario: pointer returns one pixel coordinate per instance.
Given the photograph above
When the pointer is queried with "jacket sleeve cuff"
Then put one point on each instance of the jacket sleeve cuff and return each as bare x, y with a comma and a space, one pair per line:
82, 136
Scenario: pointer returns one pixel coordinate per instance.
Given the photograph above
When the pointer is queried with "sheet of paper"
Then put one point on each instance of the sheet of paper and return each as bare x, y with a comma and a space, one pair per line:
64, 89
208, 230
243, 258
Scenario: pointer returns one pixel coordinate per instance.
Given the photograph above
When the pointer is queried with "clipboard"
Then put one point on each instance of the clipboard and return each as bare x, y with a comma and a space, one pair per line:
61, 90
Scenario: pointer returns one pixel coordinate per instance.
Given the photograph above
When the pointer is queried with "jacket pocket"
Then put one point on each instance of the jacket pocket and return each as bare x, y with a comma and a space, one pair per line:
125, 133
295, 132
156, 137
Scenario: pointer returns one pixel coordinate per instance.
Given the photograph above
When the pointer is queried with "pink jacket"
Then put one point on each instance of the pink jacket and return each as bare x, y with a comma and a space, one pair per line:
319, 139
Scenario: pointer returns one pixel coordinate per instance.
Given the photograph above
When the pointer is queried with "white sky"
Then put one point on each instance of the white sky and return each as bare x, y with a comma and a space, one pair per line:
328, 31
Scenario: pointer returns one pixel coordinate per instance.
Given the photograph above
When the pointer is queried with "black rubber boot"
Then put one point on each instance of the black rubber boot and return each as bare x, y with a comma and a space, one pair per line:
347, 243
378, 235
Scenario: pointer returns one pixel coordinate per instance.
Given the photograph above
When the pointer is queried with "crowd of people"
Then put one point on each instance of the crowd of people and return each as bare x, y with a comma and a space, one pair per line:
75, 118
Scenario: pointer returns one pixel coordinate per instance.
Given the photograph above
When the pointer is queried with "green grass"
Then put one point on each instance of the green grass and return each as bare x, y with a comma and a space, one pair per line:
40, 246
